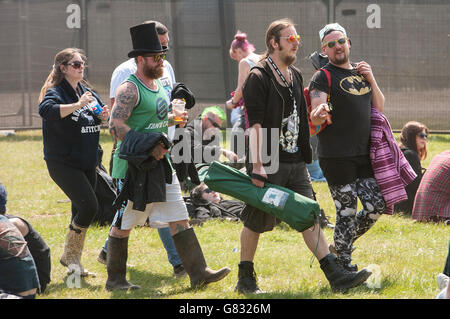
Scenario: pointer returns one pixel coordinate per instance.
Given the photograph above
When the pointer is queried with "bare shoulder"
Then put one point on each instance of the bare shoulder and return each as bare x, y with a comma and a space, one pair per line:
126, 94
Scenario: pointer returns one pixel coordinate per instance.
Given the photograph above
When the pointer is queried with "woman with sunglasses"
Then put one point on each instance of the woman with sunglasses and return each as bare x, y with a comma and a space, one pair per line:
413, 143
71, 129
241, 51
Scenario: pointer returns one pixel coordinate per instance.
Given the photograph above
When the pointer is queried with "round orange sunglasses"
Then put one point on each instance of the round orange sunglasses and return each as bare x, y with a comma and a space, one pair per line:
291, 38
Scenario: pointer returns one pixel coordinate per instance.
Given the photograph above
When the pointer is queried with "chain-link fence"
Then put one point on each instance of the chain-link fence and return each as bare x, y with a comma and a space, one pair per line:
405, 41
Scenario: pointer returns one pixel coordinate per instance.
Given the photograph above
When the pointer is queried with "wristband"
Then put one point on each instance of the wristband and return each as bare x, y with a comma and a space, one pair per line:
258, 177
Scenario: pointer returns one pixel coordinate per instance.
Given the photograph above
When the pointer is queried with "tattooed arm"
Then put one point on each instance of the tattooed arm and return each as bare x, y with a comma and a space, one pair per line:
319, 107
125, 101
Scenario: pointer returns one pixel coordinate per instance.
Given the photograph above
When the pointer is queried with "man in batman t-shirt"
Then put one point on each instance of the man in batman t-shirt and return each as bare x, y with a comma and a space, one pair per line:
343, 148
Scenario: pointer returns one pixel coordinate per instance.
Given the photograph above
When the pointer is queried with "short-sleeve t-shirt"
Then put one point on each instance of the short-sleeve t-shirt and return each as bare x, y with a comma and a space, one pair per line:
351, 98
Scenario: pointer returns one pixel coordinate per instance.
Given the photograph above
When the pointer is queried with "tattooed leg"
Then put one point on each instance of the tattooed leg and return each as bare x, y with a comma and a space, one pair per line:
345, 199
372, 200
178, 226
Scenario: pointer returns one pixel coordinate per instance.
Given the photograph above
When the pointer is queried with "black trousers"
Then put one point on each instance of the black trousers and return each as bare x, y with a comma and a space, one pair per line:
79, 186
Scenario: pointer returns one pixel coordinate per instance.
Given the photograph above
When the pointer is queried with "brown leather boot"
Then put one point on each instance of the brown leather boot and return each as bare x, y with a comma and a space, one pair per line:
73, 249
116, 264
193, 261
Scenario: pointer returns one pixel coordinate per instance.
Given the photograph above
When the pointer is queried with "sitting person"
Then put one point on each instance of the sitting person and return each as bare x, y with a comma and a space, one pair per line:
413, 143
203, 140
39, 250
432, 202
16, 262
209, 204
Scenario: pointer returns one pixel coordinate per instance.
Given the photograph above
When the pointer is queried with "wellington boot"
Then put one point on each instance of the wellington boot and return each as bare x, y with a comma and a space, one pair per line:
73, 249
193, 261
116, 264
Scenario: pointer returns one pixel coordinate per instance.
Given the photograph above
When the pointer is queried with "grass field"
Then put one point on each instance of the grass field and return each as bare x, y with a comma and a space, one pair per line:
406, 255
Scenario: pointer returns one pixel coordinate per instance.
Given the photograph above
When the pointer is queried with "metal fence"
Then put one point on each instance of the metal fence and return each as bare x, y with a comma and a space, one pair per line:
407, 42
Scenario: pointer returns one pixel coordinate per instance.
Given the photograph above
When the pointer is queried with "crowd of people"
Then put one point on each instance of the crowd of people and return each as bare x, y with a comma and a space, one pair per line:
147, 128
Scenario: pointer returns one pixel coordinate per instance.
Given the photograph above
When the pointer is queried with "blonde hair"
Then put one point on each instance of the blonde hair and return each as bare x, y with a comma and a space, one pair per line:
56, 76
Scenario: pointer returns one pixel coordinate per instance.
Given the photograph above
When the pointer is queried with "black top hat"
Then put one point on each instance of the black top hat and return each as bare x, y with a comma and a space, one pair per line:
145, 40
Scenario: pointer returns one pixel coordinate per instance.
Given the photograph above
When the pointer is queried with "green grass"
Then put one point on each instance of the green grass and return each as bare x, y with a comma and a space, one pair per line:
408, 254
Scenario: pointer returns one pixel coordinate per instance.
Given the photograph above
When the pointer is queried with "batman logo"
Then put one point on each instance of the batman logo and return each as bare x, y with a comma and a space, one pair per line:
355, 84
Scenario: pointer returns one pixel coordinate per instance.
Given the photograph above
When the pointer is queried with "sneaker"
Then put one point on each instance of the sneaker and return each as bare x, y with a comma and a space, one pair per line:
101, 258
179, 271
442, 281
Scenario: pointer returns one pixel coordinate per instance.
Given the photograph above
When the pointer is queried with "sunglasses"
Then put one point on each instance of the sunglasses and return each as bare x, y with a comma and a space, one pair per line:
422, 135
76, 64
331, 44
207, 190
156, 58
292, 38
214, 123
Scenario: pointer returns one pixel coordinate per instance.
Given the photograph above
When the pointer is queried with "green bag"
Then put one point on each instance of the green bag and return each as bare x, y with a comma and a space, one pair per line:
296, 210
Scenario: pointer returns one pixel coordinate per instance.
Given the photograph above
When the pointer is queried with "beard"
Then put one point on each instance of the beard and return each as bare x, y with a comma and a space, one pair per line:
289, 59
153, 72
286, 58
340, 61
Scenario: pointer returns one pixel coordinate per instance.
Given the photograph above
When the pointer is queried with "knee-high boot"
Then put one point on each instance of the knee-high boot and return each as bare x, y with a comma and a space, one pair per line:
116, 264
73, 249
194, 263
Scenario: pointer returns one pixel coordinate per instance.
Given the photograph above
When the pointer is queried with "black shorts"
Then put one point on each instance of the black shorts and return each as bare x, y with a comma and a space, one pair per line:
345, 170
294, 176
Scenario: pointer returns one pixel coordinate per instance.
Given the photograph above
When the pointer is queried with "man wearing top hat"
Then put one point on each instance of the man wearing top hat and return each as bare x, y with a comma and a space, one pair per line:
141, 105
343, 148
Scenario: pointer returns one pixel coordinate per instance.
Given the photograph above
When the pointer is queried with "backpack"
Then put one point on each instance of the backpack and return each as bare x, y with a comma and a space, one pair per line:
316, 129
106, 194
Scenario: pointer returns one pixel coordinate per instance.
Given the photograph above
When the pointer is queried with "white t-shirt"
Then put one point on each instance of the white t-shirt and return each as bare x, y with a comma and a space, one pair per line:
123, 71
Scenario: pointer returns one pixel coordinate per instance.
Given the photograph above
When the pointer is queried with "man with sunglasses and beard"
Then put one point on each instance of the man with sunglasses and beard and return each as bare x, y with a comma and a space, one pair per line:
273, 94
141, 106
343, 149
120, 74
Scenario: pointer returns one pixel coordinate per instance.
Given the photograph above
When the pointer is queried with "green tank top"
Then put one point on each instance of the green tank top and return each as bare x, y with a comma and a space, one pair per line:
149, 115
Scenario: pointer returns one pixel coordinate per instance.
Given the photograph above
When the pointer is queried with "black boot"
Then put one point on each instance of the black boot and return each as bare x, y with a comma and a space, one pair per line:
116, 264
193, 261
341, 280
347, 265
247, 279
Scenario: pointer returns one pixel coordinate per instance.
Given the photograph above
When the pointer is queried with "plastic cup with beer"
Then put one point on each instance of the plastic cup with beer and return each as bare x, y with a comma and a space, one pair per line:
178, 106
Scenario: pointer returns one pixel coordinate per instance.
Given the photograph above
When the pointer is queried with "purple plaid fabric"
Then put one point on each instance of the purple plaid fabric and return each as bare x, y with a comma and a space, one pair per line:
433, 195
391, 169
